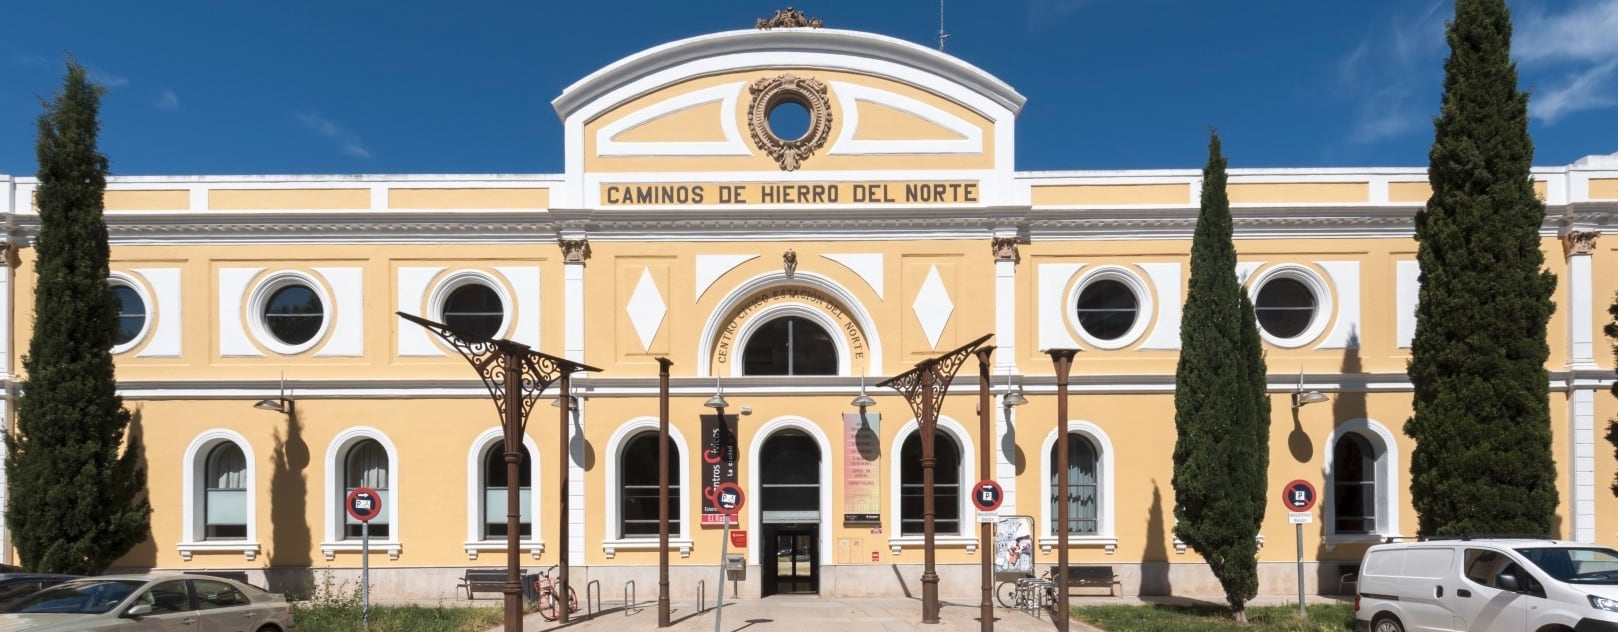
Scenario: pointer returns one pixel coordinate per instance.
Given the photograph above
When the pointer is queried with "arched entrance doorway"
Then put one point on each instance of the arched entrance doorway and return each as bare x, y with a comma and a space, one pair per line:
789, 506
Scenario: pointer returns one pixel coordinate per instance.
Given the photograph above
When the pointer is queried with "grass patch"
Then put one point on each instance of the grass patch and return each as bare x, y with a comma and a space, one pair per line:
346, 618
1172, 618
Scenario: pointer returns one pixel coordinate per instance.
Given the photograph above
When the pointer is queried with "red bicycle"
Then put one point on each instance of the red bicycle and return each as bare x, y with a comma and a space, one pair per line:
548, 595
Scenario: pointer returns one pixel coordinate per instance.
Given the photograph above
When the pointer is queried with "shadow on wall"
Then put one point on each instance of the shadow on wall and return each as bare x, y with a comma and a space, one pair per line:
1348, 403
1154, 563
144, 554
579, 447
290, 539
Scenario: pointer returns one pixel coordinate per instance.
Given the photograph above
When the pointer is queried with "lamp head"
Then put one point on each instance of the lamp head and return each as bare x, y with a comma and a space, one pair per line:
717, 401
1013, 398
1312, 397
863, 401
270, 404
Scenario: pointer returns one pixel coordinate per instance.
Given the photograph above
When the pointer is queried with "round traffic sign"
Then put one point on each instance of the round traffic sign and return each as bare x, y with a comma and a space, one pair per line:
1298, 495
363, 504
986, 495
728, 498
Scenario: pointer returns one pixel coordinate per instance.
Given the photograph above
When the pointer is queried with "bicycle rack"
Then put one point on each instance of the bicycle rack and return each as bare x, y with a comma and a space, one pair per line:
629, 598
702, 595
590, 609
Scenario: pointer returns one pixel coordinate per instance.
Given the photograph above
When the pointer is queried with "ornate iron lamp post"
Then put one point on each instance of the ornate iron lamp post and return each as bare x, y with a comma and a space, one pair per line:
516, 376
1063, 360
924, 388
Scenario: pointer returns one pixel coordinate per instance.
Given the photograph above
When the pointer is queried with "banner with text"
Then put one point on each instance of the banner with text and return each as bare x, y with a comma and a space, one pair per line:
862, 493
718, 463
789, 194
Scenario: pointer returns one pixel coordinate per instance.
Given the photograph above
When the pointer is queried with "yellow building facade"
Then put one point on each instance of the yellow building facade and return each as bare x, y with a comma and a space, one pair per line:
793, 269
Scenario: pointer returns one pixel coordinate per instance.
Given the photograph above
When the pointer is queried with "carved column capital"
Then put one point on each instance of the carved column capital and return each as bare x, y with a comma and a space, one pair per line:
574, 250
1579, 242
1005, 249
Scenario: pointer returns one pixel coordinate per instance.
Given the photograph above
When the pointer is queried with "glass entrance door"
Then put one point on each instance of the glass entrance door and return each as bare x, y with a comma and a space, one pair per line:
794, 561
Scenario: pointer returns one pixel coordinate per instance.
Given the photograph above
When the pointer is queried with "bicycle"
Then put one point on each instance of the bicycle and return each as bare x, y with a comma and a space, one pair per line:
1026, 593
545, 586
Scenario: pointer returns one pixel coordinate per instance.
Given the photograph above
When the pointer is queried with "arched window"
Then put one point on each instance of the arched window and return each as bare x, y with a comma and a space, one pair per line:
366, 465
1083, 487
1354, 484
225, 493
637, 480
946, 485
494, 492
790, 345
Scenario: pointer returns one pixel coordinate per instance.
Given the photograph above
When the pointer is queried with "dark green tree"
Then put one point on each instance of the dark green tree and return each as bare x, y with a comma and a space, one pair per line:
76, 499
1221, 408
1612, 424
1482, 461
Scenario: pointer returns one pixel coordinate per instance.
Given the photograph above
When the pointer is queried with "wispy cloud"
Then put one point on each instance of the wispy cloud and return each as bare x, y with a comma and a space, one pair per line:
37, 62
106, 79
1569, 57
346, 141
1388, 72
167, 100
1046, 12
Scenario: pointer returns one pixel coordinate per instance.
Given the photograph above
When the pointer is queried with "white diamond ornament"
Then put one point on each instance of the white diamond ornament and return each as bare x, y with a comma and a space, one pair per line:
646, 309
933, 307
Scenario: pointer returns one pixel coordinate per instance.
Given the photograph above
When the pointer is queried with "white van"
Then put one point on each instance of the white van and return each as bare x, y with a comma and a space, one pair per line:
1486, 585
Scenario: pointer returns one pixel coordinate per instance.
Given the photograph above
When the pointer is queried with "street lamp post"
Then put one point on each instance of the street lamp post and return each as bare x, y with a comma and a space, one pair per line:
516, 376
1063, 359
985, 472
924, 388
663, 365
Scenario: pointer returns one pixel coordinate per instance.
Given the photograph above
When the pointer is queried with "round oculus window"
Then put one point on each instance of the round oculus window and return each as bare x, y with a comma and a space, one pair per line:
294, 314
1285, 307
1107, 309
131, 315
474, 309
788, 119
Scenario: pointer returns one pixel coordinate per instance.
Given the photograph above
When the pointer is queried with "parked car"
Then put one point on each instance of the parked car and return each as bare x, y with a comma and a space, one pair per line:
1487, 585
155, 602
16, 585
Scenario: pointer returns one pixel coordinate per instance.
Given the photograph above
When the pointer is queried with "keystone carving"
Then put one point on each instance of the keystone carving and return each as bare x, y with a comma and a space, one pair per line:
788, 18
788, 88
1579, 242
1005, 249
574, 250
789, 262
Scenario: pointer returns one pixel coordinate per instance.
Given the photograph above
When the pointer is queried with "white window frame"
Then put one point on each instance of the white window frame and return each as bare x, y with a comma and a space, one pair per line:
1386, 470
475, 486
783, 310
1144, 309
259, 298
194, 489
462, 278
120, 279
967, 537
1324, 308
755, 488
334, 494
615, 541
1106, 536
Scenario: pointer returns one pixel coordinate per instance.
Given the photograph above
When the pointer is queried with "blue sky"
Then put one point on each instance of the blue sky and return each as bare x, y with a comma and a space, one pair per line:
413, 86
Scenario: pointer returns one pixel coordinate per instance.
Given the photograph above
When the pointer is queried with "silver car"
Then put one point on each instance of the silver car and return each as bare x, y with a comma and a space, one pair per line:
154, 603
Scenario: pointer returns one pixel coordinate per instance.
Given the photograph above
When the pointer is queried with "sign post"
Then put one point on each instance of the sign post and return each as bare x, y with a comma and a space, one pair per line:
1299, 498
986, 496
728, 498
363, 504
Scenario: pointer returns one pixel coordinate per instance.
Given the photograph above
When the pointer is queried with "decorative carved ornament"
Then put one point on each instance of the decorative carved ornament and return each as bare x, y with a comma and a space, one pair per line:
789, 262
788, 18
1579, 242
1005, 249
574, 250
804, 91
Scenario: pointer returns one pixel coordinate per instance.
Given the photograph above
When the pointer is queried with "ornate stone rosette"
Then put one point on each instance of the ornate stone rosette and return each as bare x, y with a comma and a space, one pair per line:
773, 91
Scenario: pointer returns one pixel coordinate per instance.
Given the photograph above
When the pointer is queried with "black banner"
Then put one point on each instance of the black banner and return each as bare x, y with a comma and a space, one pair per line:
718, 463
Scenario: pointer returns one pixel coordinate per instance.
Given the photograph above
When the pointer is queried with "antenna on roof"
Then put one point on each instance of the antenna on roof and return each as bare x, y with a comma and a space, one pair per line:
941, 34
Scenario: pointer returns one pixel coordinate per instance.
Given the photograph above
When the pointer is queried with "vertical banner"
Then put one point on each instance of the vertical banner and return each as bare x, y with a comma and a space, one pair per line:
862, 491
718, 464
1014, 545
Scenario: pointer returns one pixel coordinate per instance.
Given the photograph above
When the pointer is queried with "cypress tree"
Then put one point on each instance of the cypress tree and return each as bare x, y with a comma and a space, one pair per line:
1612, 424
75, 505
1221, 408
1482, 462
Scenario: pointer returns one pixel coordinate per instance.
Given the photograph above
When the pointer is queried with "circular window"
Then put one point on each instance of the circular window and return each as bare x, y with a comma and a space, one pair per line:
1288, 302
788, 119
1107, 309
474, 309
294, 314
134, 312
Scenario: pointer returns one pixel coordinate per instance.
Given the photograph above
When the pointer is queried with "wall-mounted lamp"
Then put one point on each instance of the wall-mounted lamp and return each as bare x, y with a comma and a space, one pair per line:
572, 402
282, 404
864, 400
718, 399
1013, 396
1300, 397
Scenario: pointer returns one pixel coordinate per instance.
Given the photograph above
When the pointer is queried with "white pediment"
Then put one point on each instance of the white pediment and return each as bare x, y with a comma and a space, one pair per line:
610, 143
962, 137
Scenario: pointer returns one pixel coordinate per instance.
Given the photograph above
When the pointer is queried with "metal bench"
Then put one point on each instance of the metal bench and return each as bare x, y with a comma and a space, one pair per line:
482, 579
1091, 576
